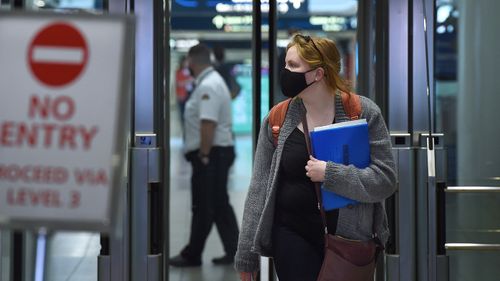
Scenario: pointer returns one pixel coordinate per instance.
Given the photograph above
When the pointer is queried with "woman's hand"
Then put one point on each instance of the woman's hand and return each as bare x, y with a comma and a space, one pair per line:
248, 276
315, 169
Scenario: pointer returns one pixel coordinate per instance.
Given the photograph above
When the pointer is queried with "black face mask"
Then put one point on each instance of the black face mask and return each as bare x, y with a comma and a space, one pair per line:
292, 83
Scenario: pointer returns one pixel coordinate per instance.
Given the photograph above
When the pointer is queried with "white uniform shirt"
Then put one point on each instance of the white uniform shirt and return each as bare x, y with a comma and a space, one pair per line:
210, 100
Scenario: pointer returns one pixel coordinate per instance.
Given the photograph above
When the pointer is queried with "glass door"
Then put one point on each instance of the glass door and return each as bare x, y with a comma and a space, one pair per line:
466, 57
227, 26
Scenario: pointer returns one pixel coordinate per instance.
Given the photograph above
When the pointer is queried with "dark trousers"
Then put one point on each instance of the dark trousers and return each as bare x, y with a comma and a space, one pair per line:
295, 258
210, 202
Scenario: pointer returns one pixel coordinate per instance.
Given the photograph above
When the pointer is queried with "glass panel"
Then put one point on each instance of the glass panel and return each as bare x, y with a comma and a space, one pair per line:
466, 59
229, 24
225, 27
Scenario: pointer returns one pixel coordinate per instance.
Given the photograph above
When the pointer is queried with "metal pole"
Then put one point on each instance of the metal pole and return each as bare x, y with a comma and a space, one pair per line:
256, 71
381, 79
364, 41
426, 47
160, 189
16, 271
472, 247
272, 38
41, 254
164, 138
431, 167
273, 35
256, 68
472, 189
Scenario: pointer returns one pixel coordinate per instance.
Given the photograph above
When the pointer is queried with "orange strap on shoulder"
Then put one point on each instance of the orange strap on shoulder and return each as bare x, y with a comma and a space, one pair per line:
352, 105
277, 117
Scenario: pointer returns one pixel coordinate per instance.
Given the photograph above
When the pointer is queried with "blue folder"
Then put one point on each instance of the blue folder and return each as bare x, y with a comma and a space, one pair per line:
344, 143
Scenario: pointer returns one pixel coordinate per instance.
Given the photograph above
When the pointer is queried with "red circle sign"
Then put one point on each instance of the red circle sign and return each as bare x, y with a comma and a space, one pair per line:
57, 54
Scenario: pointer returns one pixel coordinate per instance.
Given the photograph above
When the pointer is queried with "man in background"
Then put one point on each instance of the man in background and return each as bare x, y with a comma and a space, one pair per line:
210, 150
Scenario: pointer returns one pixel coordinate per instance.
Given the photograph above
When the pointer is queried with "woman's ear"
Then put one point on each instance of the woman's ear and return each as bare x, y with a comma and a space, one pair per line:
320, 73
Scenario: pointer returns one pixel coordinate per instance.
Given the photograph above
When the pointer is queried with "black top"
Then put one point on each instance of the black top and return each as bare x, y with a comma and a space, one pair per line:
296, 203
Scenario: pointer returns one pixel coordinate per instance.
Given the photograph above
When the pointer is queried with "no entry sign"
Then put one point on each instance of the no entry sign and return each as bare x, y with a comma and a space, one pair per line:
64, 102
58, 54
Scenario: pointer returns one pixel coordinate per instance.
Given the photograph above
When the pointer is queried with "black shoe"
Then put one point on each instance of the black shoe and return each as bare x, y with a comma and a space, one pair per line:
181, 261
227, 259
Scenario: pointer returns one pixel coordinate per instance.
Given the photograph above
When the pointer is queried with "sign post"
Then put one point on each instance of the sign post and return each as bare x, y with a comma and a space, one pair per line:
64, 118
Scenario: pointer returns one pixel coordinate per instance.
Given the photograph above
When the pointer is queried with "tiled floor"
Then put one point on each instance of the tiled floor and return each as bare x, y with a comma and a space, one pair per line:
73, 256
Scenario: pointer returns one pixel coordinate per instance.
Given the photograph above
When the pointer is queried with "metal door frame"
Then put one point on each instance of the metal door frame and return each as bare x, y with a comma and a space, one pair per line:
408, 114
149, 116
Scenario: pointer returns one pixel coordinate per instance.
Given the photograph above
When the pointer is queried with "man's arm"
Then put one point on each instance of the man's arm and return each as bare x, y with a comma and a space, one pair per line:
207, 132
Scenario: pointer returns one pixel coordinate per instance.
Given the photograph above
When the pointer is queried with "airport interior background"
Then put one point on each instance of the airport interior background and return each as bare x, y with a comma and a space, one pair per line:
383, 56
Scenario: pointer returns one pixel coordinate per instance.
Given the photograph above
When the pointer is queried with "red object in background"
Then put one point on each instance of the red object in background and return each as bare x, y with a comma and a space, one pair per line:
183, 84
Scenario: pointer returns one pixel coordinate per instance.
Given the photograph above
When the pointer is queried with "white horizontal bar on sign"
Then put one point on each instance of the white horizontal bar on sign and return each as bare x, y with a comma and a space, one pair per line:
471, 247
58, 55
472, 189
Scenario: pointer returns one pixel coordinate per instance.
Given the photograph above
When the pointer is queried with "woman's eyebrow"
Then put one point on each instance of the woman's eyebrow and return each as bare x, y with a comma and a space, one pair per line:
290, 61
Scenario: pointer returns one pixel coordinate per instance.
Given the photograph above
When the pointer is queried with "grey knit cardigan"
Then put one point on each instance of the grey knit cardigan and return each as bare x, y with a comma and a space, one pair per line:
370, 186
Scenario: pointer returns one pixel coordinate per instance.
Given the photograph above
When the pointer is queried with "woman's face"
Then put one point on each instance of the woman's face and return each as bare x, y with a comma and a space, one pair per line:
295, 63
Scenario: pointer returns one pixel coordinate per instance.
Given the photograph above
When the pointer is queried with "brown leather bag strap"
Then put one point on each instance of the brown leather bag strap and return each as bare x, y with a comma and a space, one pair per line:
316, 184
317, 188
277, 117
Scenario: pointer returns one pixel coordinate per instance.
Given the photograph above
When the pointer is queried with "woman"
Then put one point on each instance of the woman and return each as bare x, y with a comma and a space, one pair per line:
281, 218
